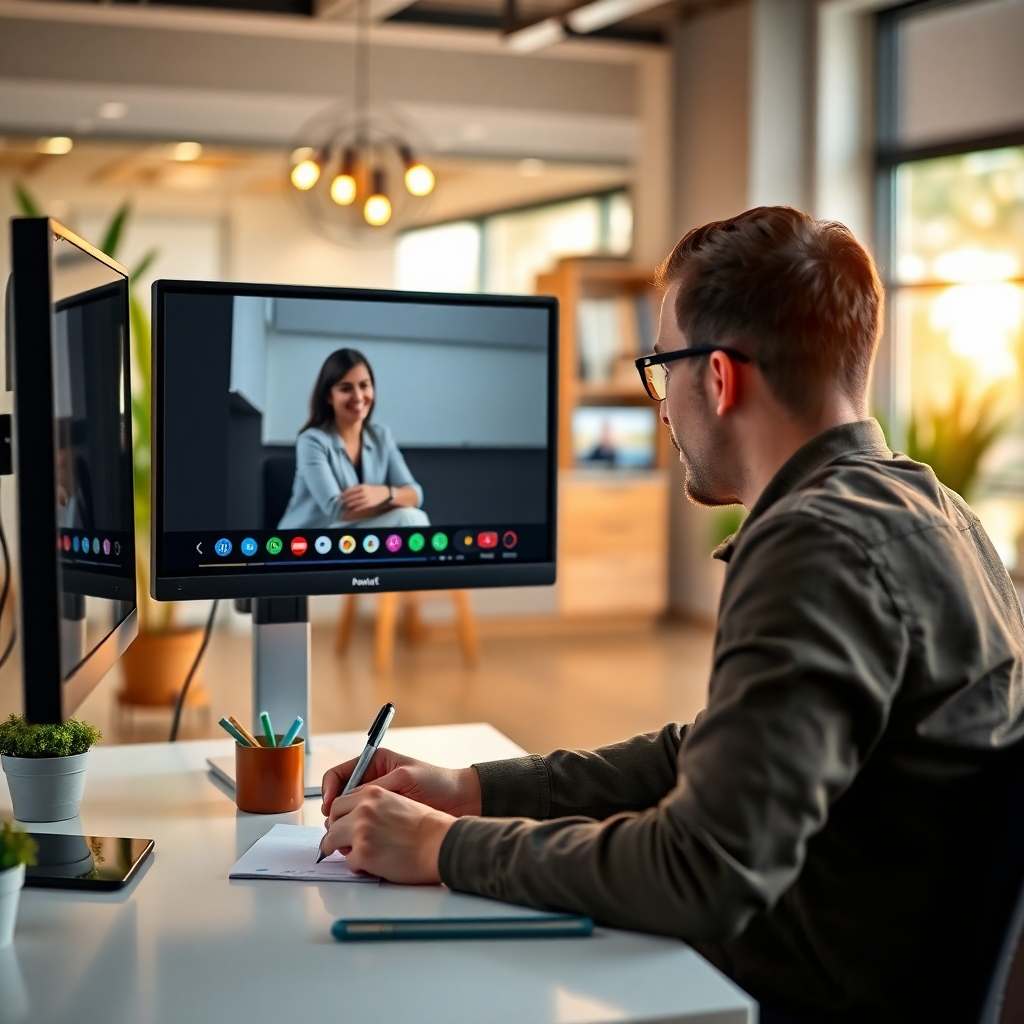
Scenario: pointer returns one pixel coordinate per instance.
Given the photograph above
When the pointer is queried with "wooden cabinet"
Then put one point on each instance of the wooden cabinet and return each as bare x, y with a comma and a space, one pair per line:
612, 543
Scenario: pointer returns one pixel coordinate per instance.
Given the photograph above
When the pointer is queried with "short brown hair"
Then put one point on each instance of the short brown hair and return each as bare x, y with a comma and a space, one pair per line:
801, 295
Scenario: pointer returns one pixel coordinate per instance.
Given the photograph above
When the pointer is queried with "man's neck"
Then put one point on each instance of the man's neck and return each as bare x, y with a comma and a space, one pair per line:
768, 443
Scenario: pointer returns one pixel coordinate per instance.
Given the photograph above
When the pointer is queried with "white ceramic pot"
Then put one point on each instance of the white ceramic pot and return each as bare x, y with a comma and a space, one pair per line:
45, 788
11, 881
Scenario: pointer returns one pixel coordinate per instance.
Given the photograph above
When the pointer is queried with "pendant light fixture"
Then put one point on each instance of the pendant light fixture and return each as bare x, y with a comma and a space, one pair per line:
346, 157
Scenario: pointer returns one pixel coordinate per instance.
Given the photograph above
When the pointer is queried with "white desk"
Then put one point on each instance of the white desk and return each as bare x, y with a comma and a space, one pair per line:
183, 944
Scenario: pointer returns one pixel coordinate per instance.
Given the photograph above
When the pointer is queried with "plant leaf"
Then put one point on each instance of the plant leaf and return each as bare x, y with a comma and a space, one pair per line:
143, 265
26, 201
115, 229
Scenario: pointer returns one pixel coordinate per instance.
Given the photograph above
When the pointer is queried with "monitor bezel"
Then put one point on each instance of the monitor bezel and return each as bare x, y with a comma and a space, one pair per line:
307, 583
49, 697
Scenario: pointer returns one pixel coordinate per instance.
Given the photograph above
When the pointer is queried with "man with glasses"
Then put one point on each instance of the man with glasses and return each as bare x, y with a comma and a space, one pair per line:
841, 830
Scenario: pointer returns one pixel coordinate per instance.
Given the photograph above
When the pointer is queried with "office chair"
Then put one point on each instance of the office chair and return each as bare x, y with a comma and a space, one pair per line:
1004, 1001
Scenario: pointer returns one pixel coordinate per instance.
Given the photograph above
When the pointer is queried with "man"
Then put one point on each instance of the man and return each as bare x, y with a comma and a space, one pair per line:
840, 831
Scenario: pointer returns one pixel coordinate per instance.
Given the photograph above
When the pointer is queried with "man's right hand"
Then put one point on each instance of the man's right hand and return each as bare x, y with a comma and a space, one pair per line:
455, 791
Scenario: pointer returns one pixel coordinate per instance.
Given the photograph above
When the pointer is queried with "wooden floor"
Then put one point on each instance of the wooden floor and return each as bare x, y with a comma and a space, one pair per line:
543, 691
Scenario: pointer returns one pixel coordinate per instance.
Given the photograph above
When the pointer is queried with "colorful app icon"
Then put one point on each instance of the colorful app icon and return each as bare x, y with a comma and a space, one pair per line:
465, 541
299, 545
347, 544
75, 543
509, 539
106, 546
487, 539
274, 546
249, 547
370, 543
95, 545
416, 542
323, 545
393, 543
117, 547
223, 547
66, 542
439, 541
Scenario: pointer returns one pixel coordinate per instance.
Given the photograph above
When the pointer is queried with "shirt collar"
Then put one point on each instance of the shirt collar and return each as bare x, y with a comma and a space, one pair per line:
863, 437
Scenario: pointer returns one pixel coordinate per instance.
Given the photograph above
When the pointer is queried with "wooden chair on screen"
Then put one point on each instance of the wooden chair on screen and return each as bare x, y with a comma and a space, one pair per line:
415, 629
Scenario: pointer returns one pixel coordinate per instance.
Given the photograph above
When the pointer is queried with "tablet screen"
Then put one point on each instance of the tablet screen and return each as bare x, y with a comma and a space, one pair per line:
85, 862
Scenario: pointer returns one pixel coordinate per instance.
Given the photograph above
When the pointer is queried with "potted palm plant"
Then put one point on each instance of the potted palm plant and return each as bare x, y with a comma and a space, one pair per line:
17, 850
45, 766
155, 666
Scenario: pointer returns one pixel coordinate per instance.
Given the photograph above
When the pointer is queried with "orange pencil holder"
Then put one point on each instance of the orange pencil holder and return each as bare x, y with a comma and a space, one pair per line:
269, 780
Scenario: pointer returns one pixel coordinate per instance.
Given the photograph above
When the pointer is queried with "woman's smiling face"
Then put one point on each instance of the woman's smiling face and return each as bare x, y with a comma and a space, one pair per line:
352, 397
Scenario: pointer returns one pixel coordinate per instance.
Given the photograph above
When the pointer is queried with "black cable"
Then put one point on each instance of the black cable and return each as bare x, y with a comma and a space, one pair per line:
3, 594
191, 672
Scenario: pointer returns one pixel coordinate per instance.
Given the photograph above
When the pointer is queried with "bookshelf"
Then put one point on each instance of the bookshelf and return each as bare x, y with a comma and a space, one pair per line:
613, 523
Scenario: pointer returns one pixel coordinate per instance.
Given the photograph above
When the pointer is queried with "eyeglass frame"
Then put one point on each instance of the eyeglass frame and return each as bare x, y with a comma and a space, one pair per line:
657, 358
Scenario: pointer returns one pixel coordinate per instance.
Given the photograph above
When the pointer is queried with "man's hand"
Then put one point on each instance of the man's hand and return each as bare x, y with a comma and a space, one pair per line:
387, 835
454, 791
364, 497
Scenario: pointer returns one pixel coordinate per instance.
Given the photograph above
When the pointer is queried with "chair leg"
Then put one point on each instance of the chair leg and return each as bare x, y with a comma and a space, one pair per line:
384, 641
346, 619
467, 628
415, 631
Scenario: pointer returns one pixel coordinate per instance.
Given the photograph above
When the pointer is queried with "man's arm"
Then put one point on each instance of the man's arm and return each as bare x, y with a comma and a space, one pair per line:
809, 654
627, 776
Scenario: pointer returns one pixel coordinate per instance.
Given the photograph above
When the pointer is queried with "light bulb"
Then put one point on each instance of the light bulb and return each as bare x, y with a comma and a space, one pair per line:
377, 210
419, 179
305, 174
343, 189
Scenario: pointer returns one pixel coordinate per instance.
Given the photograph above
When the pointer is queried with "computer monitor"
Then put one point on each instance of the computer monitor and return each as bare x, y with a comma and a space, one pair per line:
68, 350
250, 467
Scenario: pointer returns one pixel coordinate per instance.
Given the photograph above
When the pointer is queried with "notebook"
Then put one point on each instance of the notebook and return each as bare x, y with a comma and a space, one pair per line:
289, 852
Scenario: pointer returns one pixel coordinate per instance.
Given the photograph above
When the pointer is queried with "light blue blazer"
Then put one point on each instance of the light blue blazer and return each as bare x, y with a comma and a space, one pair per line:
323, 470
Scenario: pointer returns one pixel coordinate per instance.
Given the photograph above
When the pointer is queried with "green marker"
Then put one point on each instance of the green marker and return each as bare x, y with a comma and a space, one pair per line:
416, 542
274, 545
439, 541
268, 729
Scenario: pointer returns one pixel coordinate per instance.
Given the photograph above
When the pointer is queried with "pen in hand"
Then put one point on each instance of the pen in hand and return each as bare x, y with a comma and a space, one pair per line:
373, 741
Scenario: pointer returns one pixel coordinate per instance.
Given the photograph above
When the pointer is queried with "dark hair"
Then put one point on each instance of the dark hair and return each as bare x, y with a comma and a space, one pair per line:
336, 365
801, 295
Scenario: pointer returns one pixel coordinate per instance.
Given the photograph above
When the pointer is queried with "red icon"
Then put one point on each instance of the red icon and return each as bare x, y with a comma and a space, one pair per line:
66, 542
299, 545
509, 539
487, 540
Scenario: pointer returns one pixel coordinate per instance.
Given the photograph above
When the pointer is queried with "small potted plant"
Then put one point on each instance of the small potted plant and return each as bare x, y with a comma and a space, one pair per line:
17, 849
45, 766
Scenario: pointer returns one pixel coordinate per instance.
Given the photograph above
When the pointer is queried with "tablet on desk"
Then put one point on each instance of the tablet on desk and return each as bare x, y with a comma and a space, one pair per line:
99, 863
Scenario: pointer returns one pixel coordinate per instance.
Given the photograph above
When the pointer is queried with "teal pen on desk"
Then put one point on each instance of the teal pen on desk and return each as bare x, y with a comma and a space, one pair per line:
268, 729
290, 735
550, 926
234, 733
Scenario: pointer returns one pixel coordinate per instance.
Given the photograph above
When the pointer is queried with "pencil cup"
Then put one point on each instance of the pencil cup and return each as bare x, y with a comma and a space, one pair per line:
269, 780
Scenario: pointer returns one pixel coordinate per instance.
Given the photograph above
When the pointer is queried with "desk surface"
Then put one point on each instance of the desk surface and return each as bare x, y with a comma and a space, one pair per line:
185, 944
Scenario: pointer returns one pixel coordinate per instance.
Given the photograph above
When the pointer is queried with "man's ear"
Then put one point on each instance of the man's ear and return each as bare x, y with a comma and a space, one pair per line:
725, 382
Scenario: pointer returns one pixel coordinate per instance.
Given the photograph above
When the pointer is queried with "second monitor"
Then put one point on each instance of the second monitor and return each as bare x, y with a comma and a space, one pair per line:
257, 493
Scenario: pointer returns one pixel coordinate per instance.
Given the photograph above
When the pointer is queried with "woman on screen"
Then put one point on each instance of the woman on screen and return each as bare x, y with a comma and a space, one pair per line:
348, 471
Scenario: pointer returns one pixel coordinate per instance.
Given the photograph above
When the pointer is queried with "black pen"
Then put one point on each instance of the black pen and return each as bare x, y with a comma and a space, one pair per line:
373, 741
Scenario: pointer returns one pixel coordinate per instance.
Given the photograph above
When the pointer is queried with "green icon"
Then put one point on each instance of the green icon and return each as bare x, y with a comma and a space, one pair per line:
274, 545
416, 542
439, 541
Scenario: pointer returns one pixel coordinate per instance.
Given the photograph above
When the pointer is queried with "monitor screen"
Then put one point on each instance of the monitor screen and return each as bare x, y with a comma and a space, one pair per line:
74, 463
613, 437
315, 440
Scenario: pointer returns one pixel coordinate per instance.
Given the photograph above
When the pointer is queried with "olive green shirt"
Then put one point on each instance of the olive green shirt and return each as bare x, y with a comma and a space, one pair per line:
837, 829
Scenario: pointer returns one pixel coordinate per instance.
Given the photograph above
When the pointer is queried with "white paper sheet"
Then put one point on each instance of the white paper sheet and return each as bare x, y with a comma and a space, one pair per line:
290, 852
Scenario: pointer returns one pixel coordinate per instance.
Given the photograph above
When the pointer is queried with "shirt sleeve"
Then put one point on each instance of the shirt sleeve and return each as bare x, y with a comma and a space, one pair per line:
625, 776
809, 652
398, 473
312, 465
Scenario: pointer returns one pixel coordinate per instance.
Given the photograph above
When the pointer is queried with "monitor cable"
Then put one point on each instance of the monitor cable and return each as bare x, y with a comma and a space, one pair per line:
5, 593
180, 703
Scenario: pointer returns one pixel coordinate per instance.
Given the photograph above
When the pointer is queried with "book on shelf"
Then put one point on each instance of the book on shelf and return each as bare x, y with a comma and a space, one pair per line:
612, 332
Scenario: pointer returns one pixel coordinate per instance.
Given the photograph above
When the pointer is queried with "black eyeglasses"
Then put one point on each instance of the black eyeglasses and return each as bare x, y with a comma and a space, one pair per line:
652, 368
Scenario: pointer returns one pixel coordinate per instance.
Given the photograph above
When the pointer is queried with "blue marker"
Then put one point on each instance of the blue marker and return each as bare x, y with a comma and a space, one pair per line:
290, 735
229, 728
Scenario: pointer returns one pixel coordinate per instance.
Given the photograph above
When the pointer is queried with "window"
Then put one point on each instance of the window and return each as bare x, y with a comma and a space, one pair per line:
505, 252
952, 245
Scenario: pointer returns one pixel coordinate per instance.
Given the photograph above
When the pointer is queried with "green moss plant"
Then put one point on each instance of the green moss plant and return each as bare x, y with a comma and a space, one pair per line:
16, 847
19, 739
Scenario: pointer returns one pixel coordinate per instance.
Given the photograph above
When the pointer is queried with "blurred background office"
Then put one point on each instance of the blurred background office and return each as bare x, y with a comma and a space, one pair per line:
553, 152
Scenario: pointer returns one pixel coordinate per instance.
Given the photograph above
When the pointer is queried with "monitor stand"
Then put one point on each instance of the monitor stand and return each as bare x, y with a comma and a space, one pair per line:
280, 681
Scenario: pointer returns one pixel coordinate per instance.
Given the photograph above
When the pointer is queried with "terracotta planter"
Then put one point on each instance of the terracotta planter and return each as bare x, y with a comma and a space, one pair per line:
155, 665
